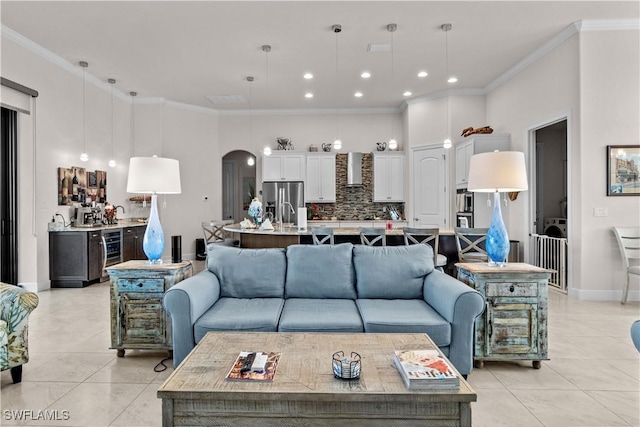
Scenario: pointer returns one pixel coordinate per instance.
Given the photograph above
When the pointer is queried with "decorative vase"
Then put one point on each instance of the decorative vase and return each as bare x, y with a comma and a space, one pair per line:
153, 241
497, 237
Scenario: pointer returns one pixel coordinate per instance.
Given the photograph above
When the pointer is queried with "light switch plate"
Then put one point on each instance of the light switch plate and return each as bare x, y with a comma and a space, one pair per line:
600, 212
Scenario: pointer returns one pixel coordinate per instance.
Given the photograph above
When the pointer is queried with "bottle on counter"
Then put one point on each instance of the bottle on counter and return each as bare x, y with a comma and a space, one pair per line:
74, 187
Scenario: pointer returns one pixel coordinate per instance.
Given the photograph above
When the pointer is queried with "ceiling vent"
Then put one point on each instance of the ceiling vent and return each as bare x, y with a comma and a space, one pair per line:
379, 47
226, 99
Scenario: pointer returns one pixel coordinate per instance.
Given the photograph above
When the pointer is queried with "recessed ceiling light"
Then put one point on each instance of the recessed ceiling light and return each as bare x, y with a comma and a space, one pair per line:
407, 93
308, 95
358, 94
452, 79
308, 76
423, 74
365, 75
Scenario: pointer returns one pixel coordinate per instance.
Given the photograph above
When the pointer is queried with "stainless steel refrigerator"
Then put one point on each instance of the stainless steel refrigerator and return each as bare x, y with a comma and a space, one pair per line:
283, 198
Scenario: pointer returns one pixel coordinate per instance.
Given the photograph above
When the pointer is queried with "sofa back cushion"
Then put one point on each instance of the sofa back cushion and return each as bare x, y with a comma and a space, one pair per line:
320, 271
248, 273
391, 272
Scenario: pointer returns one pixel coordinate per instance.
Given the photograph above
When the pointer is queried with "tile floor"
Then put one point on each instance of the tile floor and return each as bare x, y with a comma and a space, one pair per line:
592, 379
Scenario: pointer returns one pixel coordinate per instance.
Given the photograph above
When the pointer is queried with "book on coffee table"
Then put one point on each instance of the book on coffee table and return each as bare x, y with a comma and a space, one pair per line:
425, 370
254, 366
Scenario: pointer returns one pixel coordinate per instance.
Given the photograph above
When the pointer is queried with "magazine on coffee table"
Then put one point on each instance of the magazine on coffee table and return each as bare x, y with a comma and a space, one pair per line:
425, 370
254, 366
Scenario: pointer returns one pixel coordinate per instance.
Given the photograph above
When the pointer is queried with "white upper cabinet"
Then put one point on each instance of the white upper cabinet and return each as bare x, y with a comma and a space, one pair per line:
388, 176
283, 166
320, 186
474, 145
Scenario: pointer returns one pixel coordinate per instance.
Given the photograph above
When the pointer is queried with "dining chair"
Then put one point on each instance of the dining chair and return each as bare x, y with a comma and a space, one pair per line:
322, 235
629, 243
426, 236
373, 236
471, 244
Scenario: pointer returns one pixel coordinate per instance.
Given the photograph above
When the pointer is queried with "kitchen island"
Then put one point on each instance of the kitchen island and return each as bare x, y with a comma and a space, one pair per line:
281, 237
343, 231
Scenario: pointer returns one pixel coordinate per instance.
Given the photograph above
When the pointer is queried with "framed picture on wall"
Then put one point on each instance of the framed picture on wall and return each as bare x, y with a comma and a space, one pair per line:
623, 164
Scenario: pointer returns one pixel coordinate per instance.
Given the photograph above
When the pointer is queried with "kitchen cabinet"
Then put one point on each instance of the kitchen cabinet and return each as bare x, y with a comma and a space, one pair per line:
132, 238
388, 176
320, 186
283, 166
514, 323
474, 145
138, 320
76, 258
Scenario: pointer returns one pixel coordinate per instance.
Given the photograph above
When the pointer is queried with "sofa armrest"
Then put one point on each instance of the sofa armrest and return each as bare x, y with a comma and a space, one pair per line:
460, 305
185, 303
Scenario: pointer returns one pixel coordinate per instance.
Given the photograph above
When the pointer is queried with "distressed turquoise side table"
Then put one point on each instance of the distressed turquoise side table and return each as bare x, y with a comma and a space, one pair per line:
138, 320
514, 323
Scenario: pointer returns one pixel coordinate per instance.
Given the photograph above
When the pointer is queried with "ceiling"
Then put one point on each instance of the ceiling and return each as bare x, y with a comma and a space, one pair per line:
185, 51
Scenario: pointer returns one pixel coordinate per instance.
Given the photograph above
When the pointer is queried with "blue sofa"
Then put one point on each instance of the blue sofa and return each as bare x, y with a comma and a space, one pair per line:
325, 288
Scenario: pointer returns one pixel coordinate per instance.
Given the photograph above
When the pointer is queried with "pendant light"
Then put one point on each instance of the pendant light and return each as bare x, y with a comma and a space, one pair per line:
266, 49
446, 28
84, 156
250, 161
337, 144
393, 144
112, 162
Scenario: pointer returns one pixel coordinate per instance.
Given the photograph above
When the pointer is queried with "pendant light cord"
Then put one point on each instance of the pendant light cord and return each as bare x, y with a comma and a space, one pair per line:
84, 118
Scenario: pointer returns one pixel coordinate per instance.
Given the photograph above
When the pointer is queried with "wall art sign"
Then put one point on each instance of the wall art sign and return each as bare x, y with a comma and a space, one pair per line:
623, 163
77, 185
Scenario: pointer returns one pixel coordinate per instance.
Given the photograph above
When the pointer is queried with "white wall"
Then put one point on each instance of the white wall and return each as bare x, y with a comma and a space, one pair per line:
593, 79
610, 115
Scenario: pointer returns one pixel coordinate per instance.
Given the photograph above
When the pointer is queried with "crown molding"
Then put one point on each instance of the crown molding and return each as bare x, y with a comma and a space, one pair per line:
564, 35
608, 24
309, 111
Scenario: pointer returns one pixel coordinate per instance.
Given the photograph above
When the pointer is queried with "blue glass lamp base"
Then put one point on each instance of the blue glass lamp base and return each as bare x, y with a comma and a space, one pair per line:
497, 237
153, 242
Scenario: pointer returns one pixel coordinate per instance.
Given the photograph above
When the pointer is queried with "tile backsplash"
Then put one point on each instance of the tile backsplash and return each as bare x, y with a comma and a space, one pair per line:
355, 203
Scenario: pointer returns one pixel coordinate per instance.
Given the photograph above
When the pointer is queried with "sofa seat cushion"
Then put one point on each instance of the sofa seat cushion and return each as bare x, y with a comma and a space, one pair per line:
391, 272
320, 271
240, 314
248, 273
404, 316
320, 315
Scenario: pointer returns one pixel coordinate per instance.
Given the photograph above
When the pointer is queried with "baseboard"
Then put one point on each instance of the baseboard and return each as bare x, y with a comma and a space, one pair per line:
609, 295
31, 287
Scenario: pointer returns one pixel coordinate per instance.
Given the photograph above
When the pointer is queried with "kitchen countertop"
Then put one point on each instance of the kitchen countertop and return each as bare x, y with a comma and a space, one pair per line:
120, 224
294, 231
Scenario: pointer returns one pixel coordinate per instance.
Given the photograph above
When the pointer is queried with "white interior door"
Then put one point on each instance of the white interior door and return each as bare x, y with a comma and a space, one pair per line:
430, 188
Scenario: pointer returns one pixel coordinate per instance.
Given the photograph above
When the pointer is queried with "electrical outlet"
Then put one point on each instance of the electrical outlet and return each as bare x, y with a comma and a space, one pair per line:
600, 212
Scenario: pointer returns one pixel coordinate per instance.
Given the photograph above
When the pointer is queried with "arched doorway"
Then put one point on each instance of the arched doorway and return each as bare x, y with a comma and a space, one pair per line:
238, 184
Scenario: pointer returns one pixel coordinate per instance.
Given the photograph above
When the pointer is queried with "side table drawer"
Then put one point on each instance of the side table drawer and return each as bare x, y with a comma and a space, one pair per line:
506, 289
140, 285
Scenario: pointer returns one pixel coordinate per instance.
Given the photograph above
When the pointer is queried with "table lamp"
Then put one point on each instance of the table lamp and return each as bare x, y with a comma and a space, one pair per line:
496, 172
153, 175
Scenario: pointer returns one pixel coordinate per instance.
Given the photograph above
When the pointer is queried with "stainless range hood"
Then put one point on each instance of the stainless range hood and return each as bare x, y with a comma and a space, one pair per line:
354, 169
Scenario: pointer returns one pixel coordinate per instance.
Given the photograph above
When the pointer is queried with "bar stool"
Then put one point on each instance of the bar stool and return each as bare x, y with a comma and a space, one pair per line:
322, 235
371, 236
214, 233
426, 236
470, 243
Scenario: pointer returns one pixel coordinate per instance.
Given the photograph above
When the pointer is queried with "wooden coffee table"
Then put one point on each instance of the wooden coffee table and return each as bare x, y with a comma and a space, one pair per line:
304, 391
